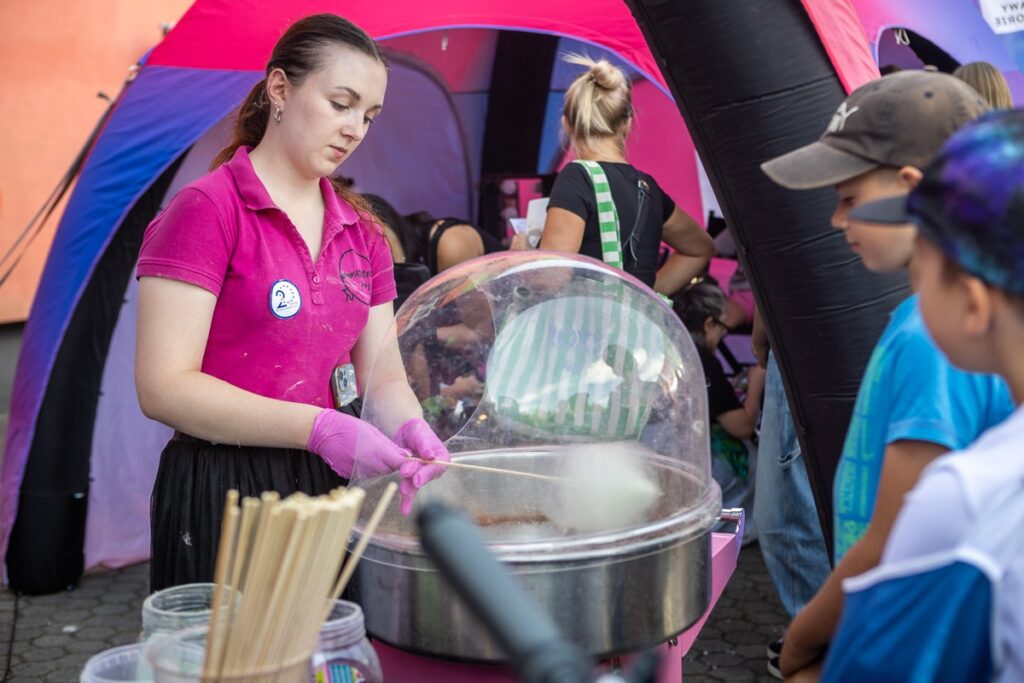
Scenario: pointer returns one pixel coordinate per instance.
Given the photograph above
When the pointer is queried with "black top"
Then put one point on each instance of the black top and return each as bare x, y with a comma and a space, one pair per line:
721, 397
491, 245
574, 192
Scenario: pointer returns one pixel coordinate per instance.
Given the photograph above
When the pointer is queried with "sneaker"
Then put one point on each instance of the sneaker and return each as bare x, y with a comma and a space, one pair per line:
774, 652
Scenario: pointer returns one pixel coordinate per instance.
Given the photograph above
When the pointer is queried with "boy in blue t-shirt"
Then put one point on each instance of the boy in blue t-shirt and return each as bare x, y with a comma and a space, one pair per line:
912, 405
956, 552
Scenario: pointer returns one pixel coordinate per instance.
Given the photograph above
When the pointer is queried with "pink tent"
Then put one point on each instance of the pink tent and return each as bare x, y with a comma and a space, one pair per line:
80, 457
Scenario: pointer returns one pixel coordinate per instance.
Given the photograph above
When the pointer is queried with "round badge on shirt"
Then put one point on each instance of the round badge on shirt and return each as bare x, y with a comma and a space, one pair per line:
285, 300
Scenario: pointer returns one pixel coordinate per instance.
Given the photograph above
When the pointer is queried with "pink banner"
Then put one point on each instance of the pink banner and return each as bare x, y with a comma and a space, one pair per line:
199, 39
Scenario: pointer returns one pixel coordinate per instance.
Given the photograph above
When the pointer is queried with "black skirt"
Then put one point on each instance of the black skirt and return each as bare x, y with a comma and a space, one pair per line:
187, 506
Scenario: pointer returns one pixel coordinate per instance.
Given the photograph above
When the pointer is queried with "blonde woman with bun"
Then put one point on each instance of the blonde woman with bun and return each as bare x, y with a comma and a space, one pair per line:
597, 117
988, 81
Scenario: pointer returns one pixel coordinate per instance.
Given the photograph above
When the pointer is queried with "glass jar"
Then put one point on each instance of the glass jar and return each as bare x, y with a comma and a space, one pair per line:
343, 654
176, 608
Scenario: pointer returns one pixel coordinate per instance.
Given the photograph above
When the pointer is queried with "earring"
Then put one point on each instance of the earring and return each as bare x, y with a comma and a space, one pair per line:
277, 112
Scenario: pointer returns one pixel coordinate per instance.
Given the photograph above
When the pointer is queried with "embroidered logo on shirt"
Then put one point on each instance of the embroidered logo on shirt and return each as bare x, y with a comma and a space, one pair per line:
356, 276
285, 300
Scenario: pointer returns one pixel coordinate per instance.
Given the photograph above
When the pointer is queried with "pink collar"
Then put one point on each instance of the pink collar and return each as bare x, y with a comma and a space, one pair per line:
338, 213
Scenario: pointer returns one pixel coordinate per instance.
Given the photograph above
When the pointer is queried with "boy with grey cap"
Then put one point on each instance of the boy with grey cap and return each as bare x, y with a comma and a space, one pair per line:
912, 405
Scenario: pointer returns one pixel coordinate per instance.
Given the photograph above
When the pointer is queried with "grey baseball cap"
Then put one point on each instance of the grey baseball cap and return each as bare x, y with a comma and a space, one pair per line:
899, 120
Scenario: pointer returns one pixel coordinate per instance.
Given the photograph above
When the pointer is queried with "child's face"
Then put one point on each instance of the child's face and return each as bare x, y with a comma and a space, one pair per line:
883, 249
949, 309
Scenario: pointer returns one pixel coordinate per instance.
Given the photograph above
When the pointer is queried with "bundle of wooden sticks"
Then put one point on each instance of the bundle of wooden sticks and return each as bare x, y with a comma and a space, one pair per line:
277, 579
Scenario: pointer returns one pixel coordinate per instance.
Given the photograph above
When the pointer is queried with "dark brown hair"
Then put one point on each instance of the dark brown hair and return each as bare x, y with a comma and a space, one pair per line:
298, 53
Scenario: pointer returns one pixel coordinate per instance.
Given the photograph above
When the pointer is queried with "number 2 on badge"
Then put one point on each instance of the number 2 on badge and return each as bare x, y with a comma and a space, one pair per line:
285, 300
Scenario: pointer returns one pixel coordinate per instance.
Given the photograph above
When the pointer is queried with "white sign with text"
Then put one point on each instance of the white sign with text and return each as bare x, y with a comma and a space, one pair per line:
1004, 16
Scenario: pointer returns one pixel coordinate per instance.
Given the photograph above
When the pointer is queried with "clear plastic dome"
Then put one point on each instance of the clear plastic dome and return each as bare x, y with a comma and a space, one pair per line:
528, 350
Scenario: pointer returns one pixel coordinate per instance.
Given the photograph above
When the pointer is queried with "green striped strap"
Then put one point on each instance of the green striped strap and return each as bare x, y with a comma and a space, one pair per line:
608, 218
607, 214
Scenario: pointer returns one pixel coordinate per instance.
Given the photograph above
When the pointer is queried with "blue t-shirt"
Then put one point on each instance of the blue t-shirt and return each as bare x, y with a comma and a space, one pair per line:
910, 391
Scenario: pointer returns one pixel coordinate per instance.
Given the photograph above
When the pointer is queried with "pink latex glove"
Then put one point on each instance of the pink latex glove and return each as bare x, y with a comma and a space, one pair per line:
340, 439
417, 436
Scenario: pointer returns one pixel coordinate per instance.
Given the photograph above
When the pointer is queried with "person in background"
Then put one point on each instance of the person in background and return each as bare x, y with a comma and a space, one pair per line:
945, 602
259, 282
785, 514
437, 243
445, 242
740, 313
912, 405
988, 81
701, 307
397, 230
603, 207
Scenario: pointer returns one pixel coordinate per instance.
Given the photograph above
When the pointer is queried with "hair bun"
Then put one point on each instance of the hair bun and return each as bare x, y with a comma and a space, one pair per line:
598, 101
600, 72
606, 76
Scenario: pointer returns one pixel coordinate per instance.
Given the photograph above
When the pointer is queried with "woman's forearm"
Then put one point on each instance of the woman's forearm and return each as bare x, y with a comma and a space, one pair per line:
678, 270
393, 403
211, 409
755, 391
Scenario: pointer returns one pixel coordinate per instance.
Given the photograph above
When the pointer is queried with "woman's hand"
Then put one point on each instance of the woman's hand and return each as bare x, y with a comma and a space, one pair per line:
417, 437
520, 242
693, 251
347, 443
355, 447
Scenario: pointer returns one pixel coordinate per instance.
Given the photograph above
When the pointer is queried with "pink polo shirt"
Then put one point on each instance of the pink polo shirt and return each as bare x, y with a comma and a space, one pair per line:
282, 322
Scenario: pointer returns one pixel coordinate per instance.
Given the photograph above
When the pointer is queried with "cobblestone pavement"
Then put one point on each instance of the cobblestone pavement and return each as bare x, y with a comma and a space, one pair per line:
55, 634
748, 617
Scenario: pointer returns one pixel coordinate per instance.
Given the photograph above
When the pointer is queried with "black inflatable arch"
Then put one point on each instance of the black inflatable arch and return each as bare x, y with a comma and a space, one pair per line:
752, 81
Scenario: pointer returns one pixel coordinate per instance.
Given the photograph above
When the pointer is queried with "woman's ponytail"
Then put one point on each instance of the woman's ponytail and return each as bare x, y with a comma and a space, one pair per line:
250, 123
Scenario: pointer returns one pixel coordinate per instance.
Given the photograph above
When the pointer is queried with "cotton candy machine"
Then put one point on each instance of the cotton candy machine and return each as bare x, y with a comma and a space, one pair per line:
524, 362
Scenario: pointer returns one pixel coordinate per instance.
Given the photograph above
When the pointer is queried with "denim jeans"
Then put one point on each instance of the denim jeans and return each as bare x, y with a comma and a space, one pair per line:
787, 520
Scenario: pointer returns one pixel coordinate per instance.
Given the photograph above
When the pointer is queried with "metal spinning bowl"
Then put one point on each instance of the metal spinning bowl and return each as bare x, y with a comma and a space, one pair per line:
612, 593
512, 356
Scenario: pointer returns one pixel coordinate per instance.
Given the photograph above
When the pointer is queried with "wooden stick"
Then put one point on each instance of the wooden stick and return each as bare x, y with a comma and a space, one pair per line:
250, 513
225, 614
264, 564
226, 557
332, 554
364, 540
287, 555
321, 565
493, 470
270, 646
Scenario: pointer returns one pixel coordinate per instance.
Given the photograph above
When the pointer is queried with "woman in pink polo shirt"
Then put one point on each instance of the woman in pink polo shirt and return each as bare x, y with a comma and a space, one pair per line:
258, 280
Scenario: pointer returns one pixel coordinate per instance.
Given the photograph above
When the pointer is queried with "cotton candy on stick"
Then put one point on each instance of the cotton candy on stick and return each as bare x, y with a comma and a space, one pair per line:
604, 487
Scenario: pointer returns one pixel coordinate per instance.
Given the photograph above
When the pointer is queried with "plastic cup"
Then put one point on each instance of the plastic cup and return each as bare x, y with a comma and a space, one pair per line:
124, 663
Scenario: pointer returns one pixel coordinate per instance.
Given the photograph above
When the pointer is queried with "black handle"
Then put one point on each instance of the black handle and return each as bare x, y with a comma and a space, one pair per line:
533, 643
